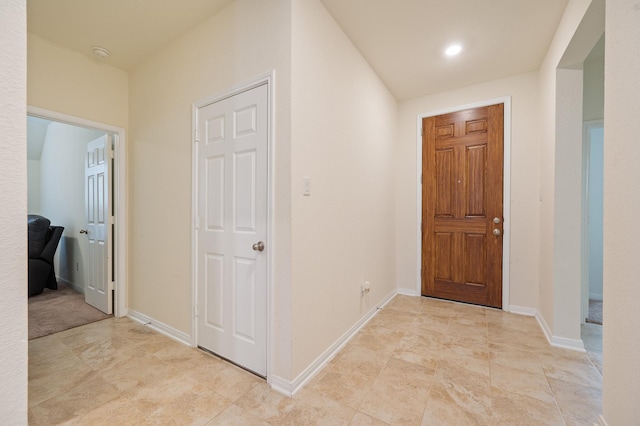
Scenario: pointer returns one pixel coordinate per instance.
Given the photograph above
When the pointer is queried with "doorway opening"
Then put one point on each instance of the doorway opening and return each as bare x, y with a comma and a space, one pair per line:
462, 219
506, 193
57, 190
232, 224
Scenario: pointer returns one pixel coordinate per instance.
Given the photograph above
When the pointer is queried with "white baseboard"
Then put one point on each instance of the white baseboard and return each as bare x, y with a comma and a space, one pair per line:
280, 385
407, 292
559, 342
522, 310
602, 421
160, 327
563, 342
543, 325
75, 287
290, 388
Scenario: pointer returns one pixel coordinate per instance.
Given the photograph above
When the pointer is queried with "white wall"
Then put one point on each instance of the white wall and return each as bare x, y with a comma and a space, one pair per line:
594, 83
244, 40
621, 384
62, 196
13, 211
523, 90
33, 185
560, 178
343, 138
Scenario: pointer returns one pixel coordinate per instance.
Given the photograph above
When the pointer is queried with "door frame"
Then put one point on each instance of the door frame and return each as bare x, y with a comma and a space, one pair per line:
268, 79
506, 242
119, 196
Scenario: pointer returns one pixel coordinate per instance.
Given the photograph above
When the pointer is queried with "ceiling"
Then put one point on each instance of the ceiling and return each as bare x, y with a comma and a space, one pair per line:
403, 40
132, 30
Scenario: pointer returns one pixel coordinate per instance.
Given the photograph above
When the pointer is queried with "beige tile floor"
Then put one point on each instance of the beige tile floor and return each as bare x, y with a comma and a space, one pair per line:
419, 361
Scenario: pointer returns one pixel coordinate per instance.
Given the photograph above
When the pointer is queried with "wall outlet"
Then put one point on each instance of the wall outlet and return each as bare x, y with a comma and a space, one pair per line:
366, 287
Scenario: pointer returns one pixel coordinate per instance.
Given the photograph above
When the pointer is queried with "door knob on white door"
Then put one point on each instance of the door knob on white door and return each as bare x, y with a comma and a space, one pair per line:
259, 246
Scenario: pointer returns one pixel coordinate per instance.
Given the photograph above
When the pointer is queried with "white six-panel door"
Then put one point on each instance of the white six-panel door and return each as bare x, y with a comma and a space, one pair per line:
231, 228
98, 292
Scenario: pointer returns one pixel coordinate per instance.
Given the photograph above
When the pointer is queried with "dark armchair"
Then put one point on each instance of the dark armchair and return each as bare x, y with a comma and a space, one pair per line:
43, 241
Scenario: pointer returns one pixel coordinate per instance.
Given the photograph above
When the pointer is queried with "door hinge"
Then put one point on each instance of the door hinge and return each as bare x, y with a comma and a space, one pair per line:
111, 220
197, 222
111, 285
111, 154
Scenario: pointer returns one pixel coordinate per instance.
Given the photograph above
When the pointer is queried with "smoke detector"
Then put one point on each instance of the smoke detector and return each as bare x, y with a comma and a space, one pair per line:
100, 52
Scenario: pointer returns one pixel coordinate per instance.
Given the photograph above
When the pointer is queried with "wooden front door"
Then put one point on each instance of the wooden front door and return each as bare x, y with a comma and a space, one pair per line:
462, 169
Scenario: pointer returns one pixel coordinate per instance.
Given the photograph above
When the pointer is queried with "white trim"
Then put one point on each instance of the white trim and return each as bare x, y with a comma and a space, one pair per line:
269, 79
559, 342
119, 196
543, 325
506, 229
290, 388
408, 292
522, 310
160, 327
563, 342
602, 421
281, 385
68, 283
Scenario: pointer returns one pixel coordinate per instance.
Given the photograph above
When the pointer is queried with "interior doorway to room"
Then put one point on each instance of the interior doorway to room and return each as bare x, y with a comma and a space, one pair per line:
231, 226
61, 188
462, 205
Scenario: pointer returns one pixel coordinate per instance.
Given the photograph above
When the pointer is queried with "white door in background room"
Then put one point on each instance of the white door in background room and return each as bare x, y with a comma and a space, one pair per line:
231, 228
98, 290
595, 209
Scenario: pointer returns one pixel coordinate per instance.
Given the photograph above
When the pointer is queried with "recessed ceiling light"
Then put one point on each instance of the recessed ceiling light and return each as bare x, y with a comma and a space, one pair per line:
100, 52
453, 50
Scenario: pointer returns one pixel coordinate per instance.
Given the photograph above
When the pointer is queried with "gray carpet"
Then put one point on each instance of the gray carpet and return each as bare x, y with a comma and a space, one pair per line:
58, 310
595, 311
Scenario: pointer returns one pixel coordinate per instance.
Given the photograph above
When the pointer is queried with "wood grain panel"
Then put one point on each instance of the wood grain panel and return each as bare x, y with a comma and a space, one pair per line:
444, 131
444, 245
476, 126
476, 177
473, 225
474, 249
444, 183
